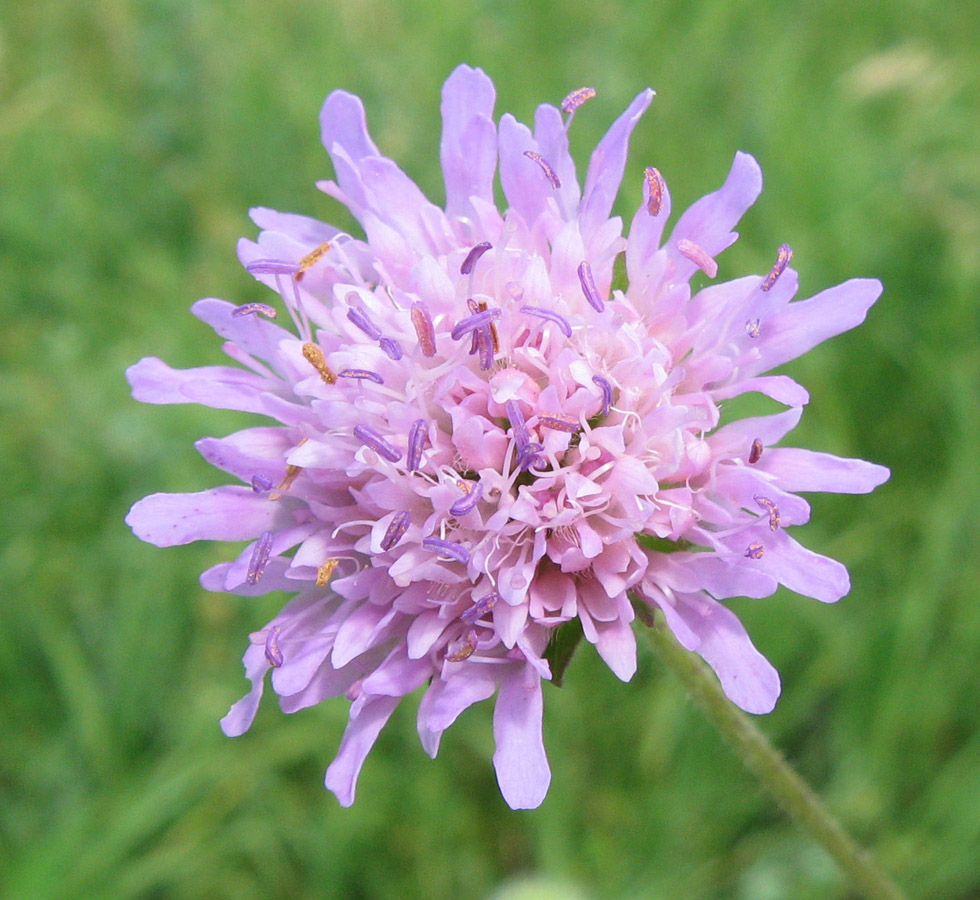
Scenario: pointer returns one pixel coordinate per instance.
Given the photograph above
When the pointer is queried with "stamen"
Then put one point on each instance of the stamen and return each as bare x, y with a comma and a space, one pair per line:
755, 454
247, 309
472, 493
271, 267
272, 651
545, 167
361, 375
783, 257
447, 548
655, 183
588, 287
311, 259
358, 315
370, 438
479, 609
396, 530
325, 572
463, 648
755, 551
416, 437
471, 258
485, 344
494, 339
753, 328
699, 256
527, 456
576, 98
558, 422
516, 421
560, 321
261, 484
471, 323
314, 356
260, 557
771, 508
607, 392
288, 479
391, 347
422, 322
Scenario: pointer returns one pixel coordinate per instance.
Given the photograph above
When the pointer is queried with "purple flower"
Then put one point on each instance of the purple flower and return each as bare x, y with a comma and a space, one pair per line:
479, 437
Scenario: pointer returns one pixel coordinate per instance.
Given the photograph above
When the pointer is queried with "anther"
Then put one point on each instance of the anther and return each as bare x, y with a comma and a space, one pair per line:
655, 183
771, 508
287, 482
480, 608
447, 548
588, 287
271, 267
471, 323
422, 322
753, 328
314, 356
516, 421
560, 321
396, 530
494, 339
311, 259
527, 456
472, 493
325, 572
545, 167
248, 309
463, 648
699, 256
471, 258
272, 652
558, 422
485, 346
260, 557
783, 257
370, 438
416, 437
391, 347
360, 318
754, 551
361, 375
755, 453
261, 484
607, 392
576, 98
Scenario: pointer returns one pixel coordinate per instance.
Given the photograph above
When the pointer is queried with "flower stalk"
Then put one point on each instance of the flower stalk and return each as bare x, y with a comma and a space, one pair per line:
769, 766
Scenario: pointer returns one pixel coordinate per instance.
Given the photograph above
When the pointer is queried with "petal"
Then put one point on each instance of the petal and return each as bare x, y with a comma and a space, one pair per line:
365, 725
552, 139
446, 699
616, 644
253, 451
397, 675
807, 470
469, 139
239, 718
804, 571
519, 759
525, 185
220, 387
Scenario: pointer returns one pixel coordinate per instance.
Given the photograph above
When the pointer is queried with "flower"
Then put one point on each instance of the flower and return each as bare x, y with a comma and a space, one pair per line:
484, 441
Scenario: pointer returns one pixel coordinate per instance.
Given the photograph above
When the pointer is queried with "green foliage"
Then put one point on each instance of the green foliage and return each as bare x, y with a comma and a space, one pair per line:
133, 138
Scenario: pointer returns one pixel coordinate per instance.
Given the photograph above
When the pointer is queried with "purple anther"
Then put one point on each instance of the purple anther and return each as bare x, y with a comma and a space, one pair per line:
474, 307
479, 609
754, 551
472, 494
484, 344
699, 256
771, 508
516, 421
260, 557
753, 328
755, 453
528, 456
558, 422
422, 322
470, 323
272, 651
475, 253
361, 375
783, 257
560, 321
545, 167
396, 530
271, 267
391, 347
370, 438
261, 484
655, 183
416, 438
358, 315
576, 98
588, 287
248, 309
607, 392
447, 548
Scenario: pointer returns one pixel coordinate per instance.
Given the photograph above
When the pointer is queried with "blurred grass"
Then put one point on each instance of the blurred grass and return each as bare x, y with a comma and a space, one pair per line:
133, 138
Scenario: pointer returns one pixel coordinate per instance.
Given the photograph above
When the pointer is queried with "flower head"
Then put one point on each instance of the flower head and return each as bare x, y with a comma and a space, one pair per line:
480, 439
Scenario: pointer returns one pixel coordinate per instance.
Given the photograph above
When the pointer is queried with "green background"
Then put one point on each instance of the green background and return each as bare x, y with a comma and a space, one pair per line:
133, 139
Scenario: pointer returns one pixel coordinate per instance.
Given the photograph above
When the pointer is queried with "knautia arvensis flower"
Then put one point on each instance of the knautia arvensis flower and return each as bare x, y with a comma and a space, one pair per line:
480, 438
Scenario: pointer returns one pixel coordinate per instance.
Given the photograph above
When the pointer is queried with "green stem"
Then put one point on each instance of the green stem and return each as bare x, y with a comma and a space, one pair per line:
768, 765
